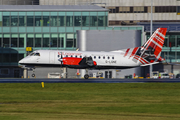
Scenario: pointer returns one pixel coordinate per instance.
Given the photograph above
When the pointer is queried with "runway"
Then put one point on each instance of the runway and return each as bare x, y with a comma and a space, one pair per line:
45, 80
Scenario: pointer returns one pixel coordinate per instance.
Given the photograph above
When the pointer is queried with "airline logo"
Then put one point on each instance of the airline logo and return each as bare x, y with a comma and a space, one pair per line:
69, 54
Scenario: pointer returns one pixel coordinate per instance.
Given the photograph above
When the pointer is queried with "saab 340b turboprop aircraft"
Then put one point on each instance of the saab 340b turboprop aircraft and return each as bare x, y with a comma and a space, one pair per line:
145, 55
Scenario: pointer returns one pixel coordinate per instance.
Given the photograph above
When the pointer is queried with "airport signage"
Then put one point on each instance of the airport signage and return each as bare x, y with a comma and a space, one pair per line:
28, 48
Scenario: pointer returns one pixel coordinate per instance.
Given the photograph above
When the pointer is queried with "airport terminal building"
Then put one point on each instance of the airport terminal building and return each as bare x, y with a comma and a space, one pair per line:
165, 13
65, 24
46, 27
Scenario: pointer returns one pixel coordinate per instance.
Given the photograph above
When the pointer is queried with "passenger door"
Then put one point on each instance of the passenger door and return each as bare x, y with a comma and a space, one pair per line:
51, 57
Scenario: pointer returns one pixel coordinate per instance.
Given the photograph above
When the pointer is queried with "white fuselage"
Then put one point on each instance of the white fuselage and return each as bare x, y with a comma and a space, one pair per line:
103, 59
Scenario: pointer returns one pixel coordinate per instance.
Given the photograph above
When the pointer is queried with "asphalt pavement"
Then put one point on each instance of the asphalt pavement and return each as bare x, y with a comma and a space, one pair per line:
53, 80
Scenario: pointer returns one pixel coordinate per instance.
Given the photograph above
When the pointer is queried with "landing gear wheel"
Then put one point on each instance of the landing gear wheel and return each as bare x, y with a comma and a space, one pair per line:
86, 76
33, 75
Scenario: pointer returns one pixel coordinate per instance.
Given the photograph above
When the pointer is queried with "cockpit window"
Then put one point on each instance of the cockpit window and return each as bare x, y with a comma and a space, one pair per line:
31, 54
36, 54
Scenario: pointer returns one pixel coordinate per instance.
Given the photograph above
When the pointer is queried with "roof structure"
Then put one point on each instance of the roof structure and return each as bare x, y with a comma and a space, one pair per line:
171, 26
51, 8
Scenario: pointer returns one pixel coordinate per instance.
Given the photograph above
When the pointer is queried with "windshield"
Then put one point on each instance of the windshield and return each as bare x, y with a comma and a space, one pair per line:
31, 54
36, 54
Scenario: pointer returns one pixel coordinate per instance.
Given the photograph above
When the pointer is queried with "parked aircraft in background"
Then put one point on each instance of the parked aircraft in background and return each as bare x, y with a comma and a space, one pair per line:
145, 55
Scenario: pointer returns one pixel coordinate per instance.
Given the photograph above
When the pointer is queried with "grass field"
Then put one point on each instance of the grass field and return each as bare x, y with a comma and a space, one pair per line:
97, 101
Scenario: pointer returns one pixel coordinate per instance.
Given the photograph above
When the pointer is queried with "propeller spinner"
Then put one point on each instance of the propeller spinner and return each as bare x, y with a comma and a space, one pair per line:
61, 59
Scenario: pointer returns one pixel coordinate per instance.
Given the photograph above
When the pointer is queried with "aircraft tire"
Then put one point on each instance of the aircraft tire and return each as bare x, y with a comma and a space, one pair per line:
33, 75
86, 76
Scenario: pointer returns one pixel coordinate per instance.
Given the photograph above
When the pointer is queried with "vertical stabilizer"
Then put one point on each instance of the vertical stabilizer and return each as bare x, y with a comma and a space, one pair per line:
155, 43
150, 52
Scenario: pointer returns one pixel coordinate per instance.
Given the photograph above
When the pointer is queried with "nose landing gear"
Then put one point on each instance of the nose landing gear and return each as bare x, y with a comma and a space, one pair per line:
86, 76
33, 75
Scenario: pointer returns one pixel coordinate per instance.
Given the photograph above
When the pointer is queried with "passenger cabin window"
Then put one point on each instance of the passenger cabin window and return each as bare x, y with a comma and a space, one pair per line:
103, 57
66, 55
76, 56
71, 56
112, 57
99, 57
94, 57
80, 56
108, 57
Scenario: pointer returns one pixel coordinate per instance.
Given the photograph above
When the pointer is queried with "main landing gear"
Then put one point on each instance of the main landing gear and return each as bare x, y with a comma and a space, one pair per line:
87, 61
86, 76
33, 75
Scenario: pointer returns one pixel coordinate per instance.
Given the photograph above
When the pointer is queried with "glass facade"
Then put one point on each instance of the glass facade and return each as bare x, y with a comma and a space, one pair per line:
85, 19
54, 41
69, 19
6, 18
171, 48
22, 19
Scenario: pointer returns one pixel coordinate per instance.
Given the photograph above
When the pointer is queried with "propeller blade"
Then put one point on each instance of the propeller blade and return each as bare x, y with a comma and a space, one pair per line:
61, 59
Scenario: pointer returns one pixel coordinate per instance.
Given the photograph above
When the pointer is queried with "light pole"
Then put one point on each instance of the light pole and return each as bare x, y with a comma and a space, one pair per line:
151, 66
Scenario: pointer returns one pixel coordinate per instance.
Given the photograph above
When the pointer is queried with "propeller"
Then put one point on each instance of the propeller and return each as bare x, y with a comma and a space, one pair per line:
61, 59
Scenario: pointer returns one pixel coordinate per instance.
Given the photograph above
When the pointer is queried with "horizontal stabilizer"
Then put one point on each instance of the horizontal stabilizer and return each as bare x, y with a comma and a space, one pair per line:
150, 64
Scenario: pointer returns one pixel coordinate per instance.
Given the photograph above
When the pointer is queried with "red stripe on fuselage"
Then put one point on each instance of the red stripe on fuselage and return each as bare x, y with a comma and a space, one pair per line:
144, 61
140, 59
141, 62
134, 51
126, 52
71, 61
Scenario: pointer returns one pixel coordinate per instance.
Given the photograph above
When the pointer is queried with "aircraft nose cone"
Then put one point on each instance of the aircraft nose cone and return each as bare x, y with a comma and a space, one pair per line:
21, 61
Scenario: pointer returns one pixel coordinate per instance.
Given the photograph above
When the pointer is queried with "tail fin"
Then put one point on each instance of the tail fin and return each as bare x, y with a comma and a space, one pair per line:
151, 50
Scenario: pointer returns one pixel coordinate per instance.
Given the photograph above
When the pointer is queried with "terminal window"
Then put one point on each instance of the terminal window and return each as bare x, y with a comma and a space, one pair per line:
30, 21
69, 19
4, 71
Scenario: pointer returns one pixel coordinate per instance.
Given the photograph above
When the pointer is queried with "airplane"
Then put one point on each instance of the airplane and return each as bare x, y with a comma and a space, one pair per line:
149, 53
